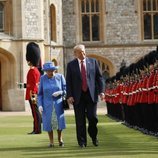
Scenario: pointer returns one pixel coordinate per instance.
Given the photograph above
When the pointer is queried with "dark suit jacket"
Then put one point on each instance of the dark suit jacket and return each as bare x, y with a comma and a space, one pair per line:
74, 80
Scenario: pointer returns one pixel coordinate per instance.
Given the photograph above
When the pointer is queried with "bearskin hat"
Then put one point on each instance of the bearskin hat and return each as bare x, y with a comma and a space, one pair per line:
140, 64
131, 69
146, 60
118, 76
152, 57
125, 71
33, 53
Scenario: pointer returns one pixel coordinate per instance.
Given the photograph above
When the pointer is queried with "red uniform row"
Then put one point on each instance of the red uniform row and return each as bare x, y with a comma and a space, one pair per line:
144, 90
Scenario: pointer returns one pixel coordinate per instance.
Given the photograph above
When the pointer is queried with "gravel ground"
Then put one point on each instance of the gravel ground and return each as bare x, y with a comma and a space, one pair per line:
101, 110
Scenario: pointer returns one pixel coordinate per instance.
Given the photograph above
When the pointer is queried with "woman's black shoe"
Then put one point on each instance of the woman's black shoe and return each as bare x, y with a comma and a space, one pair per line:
61, 144
50, 145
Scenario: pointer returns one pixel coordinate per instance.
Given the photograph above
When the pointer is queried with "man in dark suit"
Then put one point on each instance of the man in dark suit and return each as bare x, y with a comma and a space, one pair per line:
84, 84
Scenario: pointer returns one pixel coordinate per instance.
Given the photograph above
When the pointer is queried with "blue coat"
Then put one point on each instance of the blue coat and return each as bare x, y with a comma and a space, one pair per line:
74, 80
45, 99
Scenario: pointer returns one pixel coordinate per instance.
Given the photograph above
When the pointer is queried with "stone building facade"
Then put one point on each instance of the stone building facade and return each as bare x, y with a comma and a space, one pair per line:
26, 21
121, 30
112, 31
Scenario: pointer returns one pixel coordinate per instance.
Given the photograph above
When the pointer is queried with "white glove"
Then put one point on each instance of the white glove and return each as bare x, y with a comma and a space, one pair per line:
56, 94
40, 108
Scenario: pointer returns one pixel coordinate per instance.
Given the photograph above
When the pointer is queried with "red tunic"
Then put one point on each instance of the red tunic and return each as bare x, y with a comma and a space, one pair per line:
33, 77
150, 88
107, 92
117, 93
114, 95
138, 91
121, 93
129, 93
109, 95
156, 86
119, 87
125, 93
133, 96
144, 94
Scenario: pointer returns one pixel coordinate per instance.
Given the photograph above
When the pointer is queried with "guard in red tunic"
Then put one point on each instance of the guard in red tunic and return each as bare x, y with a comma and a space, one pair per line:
118, 103
150, 83
107, 95
125, 92
139, 105
33, 77
155, 84
151, 94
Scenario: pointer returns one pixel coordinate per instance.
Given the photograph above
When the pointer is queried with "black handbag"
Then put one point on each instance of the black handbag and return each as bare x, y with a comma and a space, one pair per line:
64, 101
65, 104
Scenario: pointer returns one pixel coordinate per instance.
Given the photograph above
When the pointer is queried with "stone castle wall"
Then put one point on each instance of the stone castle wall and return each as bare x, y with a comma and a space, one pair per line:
122, 34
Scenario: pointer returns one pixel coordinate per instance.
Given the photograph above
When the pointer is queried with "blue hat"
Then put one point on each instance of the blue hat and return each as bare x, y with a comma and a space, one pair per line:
49, 66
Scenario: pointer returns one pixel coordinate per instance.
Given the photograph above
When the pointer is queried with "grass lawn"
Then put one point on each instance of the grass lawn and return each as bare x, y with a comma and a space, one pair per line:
115, 141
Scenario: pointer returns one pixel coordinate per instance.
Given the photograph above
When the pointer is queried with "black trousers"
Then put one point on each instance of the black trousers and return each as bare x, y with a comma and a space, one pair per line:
36, 117
86, 109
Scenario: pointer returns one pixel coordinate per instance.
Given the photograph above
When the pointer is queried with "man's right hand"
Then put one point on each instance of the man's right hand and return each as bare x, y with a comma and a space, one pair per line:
70, 100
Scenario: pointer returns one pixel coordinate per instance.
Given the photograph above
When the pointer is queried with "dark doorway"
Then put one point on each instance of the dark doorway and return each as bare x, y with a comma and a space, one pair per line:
0, 91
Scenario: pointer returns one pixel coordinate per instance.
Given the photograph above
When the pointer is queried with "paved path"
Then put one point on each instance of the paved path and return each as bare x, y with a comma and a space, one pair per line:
100, 111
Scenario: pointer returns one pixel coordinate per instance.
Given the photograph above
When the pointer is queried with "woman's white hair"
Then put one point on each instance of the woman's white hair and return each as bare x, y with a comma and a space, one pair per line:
79, 47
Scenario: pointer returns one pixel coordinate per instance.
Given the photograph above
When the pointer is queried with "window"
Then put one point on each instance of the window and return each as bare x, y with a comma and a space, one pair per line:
1, 17
6, 19
90, 20
150, 19
53, 22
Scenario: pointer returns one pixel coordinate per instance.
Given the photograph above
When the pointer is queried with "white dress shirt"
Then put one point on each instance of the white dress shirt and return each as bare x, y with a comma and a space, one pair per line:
84, 62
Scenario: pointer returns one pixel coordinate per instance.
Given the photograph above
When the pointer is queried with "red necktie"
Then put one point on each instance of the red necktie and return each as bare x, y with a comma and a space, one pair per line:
83, 74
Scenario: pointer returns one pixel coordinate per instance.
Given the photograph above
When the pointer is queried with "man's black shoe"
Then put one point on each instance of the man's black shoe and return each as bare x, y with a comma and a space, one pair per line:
82, 146
95, 142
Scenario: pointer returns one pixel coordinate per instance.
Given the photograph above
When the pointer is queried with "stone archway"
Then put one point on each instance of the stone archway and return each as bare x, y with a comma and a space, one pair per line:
7, 78
0, 90
106, 65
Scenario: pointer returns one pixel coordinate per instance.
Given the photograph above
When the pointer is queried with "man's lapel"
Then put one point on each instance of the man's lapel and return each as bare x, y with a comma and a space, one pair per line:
77, 68
87, 67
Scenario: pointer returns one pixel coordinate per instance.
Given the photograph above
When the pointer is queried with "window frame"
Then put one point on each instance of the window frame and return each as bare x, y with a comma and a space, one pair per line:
8, 17
53, 31
151, 13
2, 29
101, 22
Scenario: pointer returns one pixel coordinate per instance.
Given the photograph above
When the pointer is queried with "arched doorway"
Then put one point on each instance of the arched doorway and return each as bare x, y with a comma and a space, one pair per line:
105, 69
0, 90
106, 66
7, 79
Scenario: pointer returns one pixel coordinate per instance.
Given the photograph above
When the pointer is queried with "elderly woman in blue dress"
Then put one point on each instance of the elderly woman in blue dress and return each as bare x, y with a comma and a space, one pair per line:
51, 89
